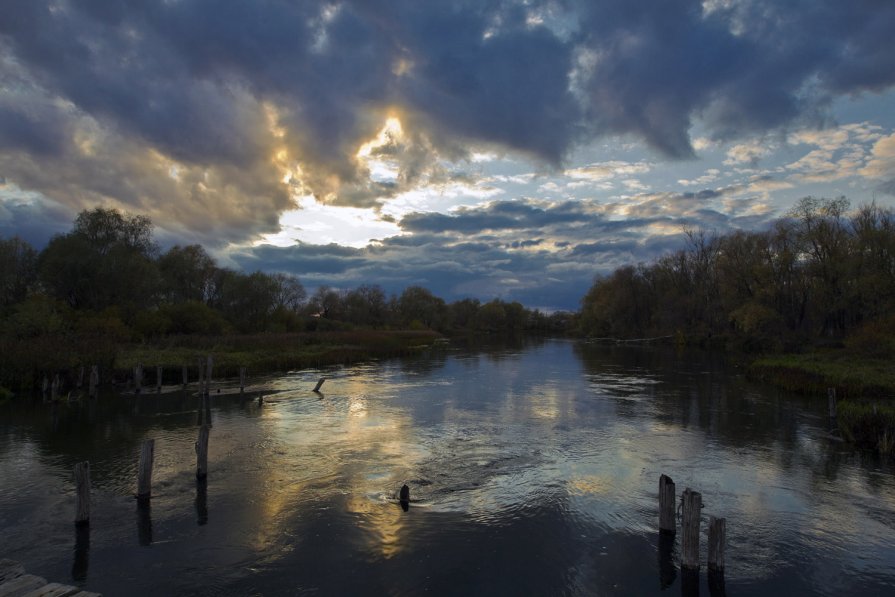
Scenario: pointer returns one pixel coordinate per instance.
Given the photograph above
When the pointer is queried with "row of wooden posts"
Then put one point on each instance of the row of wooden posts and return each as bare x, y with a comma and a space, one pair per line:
147, 453
204, 365
51, 388
691, 514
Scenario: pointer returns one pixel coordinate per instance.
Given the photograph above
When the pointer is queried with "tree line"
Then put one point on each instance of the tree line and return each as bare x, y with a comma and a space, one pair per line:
108, 276
821, 274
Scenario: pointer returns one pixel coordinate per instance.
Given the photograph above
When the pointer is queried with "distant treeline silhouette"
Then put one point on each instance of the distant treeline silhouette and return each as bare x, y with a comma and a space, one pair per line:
106, 282
821, 275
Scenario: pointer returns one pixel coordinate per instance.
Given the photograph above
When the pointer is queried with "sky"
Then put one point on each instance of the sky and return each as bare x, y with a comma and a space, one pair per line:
510, 149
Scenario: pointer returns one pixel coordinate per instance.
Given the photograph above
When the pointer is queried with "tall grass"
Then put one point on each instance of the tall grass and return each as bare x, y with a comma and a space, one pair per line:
868, 425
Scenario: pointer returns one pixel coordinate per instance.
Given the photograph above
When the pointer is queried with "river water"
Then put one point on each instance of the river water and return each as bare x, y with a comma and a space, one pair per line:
533, 470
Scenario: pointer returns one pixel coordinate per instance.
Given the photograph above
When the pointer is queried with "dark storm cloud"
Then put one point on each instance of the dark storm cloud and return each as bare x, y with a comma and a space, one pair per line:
224, 85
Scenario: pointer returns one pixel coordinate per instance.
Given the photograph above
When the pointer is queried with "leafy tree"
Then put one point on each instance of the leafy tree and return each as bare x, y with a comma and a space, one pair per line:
18, 271
418, 304
108, 259
187, 274
366, 305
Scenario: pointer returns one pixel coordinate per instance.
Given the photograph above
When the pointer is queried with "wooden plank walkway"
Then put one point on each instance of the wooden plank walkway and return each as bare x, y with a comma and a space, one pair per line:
15, 582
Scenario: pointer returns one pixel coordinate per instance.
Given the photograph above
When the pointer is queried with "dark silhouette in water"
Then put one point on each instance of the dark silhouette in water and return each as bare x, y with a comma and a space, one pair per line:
404, 497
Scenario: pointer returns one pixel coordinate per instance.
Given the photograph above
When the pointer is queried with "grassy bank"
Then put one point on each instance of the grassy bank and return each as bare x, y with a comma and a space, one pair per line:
853, 376
25, 364
274, 352
865, 386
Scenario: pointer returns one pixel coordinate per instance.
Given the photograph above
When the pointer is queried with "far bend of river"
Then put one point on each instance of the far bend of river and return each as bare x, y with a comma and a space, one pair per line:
533, 470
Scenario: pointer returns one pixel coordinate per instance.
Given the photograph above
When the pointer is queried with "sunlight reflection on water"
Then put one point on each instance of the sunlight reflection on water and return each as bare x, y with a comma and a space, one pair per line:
531, 471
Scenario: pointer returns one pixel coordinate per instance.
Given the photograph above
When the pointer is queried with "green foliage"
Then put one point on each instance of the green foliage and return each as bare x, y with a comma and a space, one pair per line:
868, 425
18, 271
107, 260
820, 274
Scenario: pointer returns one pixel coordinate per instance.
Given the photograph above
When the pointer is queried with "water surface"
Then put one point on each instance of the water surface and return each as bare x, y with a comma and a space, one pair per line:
533, 471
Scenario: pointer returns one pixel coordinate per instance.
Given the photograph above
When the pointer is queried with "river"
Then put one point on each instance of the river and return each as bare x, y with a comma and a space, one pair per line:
533, 470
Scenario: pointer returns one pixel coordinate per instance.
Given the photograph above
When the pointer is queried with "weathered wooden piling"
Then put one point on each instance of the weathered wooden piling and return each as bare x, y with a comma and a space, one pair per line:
667, 506
667, 568
82, 483
44, 386
144, 471
404, 497
54, 389
138, 378
158, 378
242, 379
202, 453
200, 367
81, 562
691, 506
319, 384
80, 383
717, 539
208, 366
94, 381
831, 401
186, 375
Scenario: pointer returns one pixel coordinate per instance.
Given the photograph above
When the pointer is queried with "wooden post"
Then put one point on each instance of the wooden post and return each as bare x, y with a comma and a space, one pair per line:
44, 386
202, 453
209, 364
200, 366
717, 538
94, 381
138, 378
186, 376
54, 389
667, 506
691, 506
319, 383
831, 401
158, 378
82, 483
242, 379
144, 472
80, 383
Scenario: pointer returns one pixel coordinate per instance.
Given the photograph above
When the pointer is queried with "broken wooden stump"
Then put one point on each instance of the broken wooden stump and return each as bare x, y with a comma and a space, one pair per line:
319, 384
691, 507
94, 381
202, 453
82, 484
667, 506
138, 378
717, 539
144, 470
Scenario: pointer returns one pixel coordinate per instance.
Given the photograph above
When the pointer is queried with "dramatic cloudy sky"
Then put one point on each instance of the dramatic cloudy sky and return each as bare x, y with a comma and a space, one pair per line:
504, 148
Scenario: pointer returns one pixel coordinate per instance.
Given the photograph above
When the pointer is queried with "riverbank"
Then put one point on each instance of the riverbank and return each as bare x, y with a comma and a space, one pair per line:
259, 353
864, 385
275, 352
